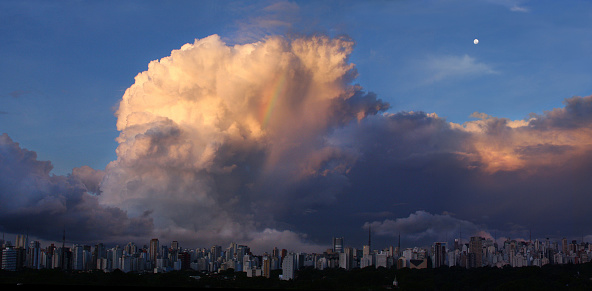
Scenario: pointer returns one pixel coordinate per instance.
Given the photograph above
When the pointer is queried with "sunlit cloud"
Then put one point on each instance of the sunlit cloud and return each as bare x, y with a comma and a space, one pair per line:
213, 137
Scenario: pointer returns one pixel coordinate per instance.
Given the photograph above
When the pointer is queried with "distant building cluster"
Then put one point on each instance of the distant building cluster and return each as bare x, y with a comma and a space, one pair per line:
155, 257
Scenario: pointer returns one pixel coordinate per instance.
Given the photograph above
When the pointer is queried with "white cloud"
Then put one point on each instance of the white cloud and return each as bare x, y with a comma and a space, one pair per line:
209, 141
439, 68
513, 5
517, 8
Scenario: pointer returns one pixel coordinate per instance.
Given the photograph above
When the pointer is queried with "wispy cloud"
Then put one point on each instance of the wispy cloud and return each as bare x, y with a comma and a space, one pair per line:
264, 19
512, 5
439, 68
517, 8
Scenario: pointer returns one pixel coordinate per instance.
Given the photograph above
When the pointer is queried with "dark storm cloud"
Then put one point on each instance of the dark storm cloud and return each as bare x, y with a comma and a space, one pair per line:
577, 113
423, 226
44, 205
491, 173
90, 178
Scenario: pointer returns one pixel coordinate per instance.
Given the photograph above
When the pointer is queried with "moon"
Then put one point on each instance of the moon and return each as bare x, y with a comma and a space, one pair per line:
476, 41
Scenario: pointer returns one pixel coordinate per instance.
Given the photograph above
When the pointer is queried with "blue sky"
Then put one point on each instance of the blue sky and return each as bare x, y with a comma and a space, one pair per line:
65, 66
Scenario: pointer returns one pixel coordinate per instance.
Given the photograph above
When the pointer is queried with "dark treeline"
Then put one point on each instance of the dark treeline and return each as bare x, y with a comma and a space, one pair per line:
548, 277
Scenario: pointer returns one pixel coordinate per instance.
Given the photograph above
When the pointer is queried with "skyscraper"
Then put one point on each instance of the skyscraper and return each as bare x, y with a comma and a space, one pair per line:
266, 266
338, 245
153, 250
288, 267
366, 250
175, 245
475, 252
9, 259
21, 241
370, 237
215, 252
564, 249
346, 259
439, 254
34, 255
63, 262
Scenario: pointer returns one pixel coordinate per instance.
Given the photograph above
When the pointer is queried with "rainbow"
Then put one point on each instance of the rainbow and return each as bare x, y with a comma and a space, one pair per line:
270, 100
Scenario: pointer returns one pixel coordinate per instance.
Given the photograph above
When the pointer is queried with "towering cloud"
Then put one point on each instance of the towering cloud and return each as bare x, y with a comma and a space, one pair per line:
215, 139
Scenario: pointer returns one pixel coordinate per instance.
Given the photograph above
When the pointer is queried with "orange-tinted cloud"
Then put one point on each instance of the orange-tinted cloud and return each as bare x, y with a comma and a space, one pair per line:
214, 136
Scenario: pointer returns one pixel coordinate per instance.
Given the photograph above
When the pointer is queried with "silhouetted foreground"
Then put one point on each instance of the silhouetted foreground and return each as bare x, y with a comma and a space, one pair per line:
549, 277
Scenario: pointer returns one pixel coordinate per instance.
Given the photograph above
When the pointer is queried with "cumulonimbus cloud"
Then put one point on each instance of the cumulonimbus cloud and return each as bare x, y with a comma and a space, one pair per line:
214, 136
272, 142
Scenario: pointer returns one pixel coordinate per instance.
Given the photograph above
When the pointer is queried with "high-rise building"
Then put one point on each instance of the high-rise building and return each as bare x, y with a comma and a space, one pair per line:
117, 253
381, 260
231, 251
338, 244
266, 267
34, 255
185, 260
153, 251
175, 245
21, 241
9, 259
573, 247
130, 248
99, 253
164, 255
77, 258
288, 267
475, 252
346, 259
439, 254
366, 250
564, 246
215, 252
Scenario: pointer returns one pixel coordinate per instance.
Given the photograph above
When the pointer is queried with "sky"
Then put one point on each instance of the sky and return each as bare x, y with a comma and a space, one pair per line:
287, 123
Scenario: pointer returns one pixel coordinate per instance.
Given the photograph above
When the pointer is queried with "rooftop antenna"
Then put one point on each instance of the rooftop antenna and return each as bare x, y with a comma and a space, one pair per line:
64, 249
370, 237
530, 236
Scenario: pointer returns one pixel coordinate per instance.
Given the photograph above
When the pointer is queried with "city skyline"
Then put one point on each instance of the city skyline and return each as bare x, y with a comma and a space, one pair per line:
158, 257
337, 245
290, 123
